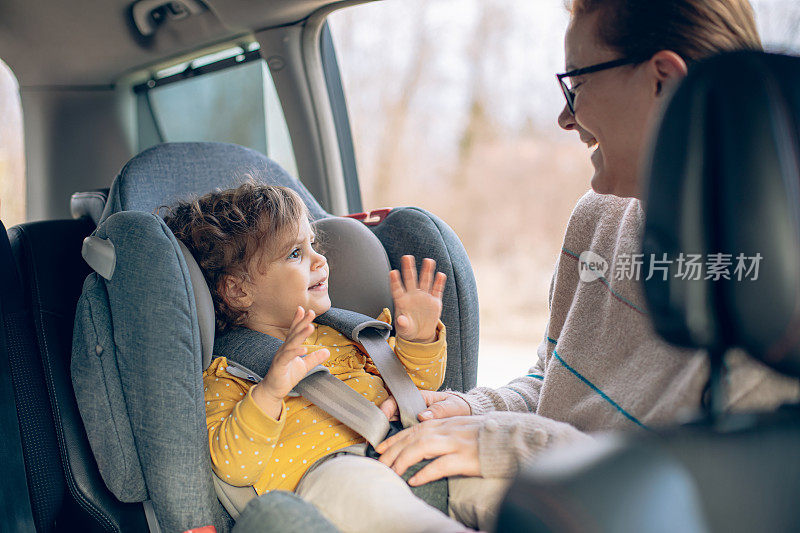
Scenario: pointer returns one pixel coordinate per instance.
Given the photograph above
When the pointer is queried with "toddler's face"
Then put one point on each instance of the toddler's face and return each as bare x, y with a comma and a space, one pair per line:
298, 278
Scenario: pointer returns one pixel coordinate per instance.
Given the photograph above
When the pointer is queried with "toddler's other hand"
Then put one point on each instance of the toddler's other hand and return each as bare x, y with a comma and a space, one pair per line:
417, 304
290, 364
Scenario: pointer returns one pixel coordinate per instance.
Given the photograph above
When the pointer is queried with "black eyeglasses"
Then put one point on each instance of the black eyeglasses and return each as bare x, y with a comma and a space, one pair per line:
569, 94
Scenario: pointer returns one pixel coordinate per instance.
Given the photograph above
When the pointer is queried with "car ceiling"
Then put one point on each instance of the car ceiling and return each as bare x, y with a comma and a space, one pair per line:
93, 43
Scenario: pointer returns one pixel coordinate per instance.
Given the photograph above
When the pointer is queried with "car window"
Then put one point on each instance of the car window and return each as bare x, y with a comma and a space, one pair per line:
453, 106
12, 158
232, 99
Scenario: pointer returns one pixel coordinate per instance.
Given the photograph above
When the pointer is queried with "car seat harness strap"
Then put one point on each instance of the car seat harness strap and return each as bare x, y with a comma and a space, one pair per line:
250, 353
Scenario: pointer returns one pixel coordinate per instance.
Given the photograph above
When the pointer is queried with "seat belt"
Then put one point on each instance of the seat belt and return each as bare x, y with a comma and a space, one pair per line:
409, 400
249, 354
373, 335
334, 397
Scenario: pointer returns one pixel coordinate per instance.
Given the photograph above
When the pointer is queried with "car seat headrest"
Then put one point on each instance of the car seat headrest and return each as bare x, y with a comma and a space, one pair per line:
359, 266
88, 204
169, 172
724, 185
359, 275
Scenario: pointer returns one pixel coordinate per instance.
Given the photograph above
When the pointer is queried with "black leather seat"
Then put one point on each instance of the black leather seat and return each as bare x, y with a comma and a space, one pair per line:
66, 491
724, 178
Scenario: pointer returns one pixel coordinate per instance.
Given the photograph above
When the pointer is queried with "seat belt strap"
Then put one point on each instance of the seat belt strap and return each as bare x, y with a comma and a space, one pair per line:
345, 404
250, 353
409, 400
150, 515
336, 398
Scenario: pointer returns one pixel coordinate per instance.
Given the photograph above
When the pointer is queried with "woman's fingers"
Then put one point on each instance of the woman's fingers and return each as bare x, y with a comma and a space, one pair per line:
440, 405
409, 267
390, 448
426, 445
389, 443
446, 465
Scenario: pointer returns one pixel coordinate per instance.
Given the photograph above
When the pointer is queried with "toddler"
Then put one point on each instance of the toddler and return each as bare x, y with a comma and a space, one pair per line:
258, 254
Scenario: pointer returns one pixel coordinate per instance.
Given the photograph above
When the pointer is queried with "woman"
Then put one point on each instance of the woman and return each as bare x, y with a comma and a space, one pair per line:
600, 366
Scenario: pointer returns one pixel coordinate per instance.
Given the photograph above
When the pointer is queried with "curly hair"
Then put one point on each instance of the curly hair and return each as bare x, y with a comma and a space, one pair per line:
226, 230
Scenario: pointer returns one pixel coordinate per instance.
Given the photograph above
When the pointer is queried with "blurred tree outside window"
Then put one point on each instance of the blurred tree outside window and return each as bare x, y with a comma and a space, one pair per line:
12, 157
453, 106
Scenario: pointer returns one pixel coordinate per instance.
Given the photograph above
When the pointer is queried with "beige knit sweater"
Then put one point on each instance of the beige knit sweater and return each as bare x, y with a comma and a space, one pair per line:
601, 366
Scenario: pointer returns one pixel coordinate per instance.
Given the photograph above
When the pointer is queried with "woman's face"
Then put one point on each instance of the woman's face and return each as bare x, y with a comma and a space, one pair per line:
613, 108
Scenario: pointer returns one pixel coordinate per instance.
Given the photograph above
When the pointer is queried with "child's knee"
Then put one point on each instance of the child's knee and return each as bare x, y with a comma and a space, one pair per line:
348, 474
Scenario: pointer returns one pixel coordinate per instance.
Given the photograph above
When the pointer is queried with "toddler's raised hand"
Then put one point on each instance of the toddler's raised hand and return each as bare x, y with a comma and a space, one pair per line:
289, 365
417, 304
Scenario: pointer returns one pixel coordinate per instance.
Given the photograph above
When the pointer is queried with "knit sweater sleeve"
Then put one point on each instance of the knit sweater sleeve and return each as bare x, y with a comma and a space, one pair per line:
508, 440
521, 394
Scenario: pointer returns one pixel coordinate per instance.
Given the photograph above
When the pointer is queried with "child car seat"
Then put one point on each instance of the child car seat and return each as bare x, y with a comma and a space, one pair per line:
137, 355
724, 178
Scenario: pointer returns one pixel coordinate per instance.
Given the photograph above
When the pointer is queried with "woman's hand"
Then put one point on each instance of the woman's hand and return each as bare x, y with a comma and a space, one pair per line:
417, 305
289, 366
452, 443
440, 405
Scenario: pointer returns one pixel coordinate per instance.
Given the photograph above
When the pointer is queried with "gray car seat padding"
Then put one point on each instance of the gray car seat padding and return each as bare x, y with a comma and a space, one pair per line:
169, 172
206, 319
359, 275
281, 511
414, 231
137, 371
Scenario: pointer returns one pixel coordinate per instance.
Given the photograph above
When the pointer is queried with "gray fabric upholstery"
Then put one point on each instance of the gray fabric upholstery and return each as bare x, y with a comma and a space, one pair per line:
204, 303
359, 279
166, 173
411, 230
94, 363
279, 512
146, 364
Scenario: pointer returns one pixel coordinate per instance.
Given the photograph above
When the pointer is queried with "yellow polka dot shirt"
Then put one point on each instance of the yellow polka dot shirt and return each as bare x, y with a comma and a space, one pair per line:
248, 447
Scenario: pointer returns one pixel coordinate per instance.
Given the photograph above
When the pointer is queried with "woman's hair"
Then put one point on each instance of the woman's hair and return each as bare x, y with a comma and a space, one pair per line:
227, 230
694, 29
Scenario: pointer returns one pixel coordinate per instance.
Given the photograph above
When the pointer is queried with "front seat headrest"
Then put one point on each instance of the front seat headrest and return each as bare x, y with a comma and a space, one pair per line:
724, 184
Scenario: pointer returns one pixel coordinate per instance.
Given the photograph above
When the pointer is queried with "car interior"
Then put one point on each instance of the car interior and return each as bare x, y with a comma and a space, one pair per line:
129, 106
